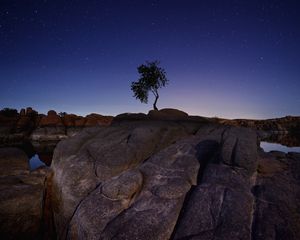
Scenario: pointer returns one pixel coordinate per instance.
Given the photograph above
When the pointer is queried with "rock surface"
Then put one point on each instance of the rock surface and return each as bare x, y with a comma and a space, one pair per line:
158, 180
141, 203
165, 175
21, 196
13, 161
221, 205
277, 197
167, 114
83, 162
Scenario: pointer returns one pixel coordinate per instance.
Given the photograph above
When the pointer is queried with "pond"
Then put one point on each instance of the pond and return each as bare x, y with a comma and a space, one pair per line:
267, 147
39, 154
35, 162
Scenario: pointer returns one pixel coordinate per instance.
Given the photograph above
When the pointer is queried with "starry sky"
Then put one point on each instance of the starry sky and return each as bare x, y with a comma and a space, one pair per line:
224, 58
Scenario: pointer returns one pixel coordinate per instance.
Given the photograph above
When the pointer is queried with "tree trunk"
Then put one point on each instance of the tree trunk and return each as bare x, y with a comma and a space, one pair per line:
154, 104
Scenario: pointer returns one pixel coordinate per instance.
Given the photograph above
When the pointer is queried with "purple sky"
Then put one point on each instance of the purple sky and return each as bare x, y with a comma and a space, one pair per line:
233, 59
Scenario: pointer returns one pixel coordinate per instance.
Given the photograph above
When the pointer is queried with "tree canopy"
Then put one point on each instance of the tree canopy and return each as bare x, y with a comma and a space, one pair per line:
9, 112
152, 77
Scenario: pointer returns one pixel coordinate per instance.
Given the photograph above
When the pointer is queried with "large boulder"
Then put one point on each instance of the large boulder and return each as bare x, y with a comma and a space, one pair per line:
94, 156
130, 117
141, 203
52, 119
163, 179
277, 197
97, 120
167, 114
221, 205
21, 196
72, 120
69, 119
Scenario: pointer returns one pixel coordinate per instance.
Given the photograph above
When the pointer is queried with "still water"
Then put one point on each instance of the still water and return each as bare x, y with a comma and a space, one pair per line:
39, 154
35, 162
267, 147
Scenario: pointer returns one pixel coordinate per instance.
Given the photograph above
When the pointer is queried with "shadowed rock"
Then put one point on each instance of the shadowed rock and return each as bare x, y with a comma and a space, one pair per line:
221, 205
174, 177
167, 114
21, 196
277, 198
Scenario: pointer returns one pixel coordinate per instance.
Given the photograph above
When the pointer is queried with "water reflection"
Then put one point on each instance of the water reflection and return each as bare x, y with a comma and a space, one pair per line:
39, 154
35, 162
287, 140
45, 151
267, 147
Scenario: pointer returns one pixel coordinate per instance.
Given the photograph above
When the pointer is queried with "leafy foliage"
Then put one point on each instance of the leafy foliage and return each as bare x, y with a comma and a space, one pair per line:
295, 130
152, 77
9, 112
62, 114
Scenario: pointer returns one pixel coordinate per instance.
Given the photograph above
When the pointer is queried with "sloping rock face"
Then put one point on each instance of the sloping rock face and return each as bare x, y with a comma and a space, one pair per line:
21, 196
221, 205
242, 193
82, 163
143, 202
160, 180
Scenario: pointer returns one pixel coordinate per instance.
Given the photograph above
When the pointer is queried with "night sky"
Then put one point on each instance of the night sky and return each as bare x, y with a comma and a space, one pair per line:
233, 59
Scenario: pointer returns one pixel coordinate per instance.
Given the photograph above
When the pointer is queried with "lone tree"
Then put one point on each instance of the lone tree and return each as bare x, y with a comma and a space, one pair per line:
152, 77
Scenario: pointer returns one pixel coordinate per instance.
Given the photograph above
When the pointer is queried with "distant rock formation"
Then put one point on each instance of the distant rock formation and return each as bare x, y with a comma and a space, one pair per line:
28, 124
285, 131
288, 124
52, 119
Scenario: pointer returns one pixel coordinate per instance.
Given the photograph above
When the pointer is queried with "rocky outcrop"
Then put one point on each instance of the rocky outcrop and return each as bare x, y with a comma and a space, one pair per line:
52, 119
94, 119
21, 196
165, 175
158, 180
110, 151
55, 128
15, 128
167, 114
72, 120
221, 205
277, 193
142, 202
